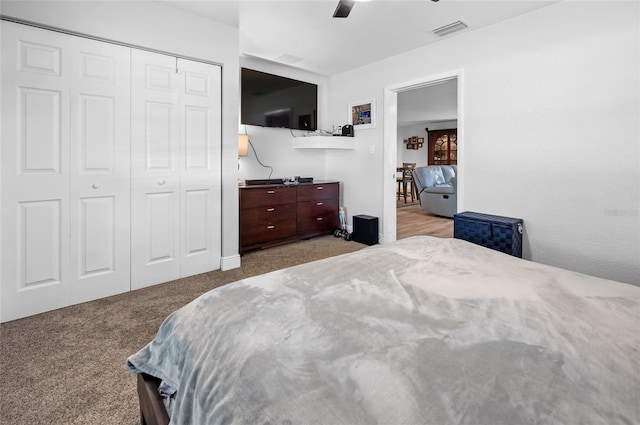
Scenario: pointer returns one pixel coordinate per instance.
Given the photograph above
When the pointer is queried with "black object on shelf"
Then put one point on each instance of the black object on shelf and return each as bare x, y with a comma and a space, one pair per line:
255, 182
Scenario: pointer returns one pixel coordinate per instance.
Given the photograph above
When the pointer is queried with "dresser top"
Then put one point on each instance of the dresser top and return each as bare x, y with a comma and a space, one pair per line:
262, 186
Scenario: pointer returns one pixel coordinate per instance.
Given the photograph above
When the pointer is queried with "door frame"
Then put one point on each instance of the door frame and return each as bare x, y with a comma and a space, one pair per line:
390, 154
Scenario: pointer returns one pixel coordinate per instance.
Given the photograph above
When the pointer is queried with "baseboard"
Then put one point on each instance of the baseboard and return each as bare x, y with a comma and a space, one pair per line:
228, 263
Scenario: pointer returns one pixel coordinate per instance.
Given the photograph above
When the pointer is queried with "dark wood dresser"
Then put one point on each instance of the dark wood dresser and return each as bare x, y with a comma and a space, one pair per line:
275, 214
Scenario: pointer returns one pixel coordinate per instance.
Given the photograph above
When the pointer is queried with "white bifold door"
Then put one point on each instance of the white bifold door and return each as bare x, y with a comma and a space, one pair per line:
65, 170
175, 149
110, 173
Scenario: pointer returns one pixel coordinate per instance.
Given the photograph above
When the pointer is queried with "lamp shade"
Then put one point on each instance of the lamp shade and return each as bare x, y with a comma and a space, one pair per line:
243, 145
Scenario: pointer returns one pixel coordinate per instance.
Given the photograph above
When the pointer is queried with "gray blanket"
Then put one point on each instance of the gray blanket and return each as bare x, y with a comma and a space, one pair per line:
421, 331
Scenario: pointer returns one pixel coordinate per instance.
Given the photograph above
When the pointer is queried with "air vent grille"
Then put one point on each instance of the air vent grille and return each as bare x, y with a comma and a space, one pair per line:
287, 58
448, 29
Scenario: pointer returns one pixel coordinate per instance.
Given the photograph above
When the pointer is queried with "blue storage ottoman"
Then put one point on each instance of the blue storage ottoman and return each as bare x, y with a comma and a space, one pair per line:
503, 234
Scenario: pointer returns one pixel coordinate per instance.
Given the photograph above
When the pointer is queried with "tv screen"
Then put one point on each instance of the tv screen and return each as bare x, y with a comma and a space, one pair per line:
269, 100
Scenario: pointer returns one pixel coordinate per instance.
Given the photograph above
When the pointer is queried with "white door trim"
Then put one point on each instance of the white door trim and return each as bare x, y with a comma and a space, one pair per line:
390, 154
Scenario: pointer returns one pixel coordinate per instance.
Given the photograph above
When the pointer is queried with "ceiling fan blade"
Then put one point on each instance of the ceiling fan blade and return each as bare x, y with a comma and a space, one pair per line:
343, 8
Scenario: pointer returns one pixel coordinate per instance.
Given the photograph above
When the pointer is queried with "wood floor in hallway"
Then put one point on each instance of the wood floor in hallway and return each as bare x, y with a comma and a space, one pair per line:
412, 220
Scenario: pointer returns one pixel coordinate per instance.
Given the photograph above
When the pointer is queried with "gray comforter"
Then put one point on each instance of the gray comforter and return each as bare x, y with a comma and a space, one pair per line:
421, 331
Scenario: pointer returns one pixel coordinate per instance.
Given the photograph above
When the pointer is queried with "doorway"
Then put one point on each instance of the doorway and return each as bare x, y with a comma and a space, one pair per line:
406, 106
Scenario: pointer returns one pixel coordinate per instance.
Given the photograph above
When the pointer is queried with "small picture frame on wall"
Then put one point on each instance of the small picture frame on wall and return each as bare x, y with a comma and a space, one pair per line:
363, 114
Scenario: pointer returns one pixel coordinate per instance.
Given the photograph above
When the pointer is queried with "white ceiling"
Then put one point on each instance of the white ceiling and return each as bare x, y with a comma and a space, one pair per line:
303, 33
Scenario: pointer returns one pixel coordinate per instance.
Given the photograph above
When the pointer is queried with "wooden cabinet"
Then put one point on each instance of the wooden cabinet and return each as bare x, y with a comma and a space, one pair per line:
443, 147
274, 214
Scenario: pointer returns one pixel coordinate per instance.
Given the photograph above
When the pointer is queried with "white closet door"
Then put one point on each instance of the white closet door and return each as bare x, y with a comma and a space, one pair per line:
65, 129
176, 180
99, 170
35, 150
200, 135
155, 169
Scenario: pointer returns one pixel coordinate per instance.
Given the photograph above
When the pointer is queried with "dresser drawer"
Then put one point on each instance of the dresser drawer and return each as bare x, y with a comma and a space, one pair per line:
257, 216
318, 208
268, 233
259, 197
318, 191
318, 217
258, 227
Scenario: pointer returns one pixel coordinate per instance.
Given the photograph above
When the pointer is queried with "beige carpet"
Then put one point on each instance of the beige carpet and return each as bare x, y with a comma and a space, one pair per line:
68, 366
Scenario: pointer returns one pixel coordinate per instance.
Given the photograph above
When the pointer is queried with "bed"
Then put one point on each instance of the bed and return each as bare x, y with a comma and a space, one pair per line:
421, 331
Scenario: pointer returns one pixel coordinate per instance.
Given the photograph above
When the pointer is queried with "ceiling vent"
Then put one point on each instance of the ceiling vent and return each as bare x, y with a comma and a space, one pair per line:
287, 58
448, 29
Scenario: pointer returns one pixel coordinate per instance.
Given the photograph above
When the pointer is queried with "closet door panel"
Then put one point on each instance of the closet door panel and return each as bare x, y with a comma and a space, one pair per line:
39, 129
197, 213
159, 141
155, 155
34, 174
97, 236
200, 103
99, 170
161, 228
97, 139
39, 244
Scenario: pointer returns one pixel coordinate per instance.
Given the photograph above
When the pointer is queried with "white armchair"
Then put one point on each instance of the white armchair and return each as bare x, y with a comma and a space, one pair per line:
436, 188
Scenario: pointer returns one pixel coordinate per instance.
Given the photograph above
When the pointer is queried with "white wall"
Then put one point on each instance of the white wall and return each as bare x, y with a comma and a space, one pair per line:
551, 107
156, 26
419, 156
273, 147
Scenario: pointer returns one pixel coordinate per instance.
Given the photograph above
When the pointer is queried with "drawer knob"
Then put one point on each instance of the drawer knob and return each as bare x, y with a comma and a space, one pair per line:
319, 219
271, 226
271, 192
320, 188
270, 209
319, 203
95, 185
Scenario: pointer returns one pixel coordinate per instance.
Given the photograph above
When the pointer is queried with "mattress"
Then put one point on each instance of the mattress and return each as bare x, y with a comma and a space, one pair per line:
423, 330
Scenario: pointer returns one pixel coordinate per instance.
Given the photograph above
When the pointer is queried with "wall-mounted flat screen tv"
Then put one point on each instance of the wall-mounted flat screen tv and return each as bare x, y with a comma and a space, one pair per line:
269, 100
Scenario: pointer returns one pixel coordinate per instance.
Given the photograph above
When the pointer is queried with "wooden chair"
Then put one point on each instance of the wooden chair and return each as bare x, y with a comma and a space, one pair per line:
405, 181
